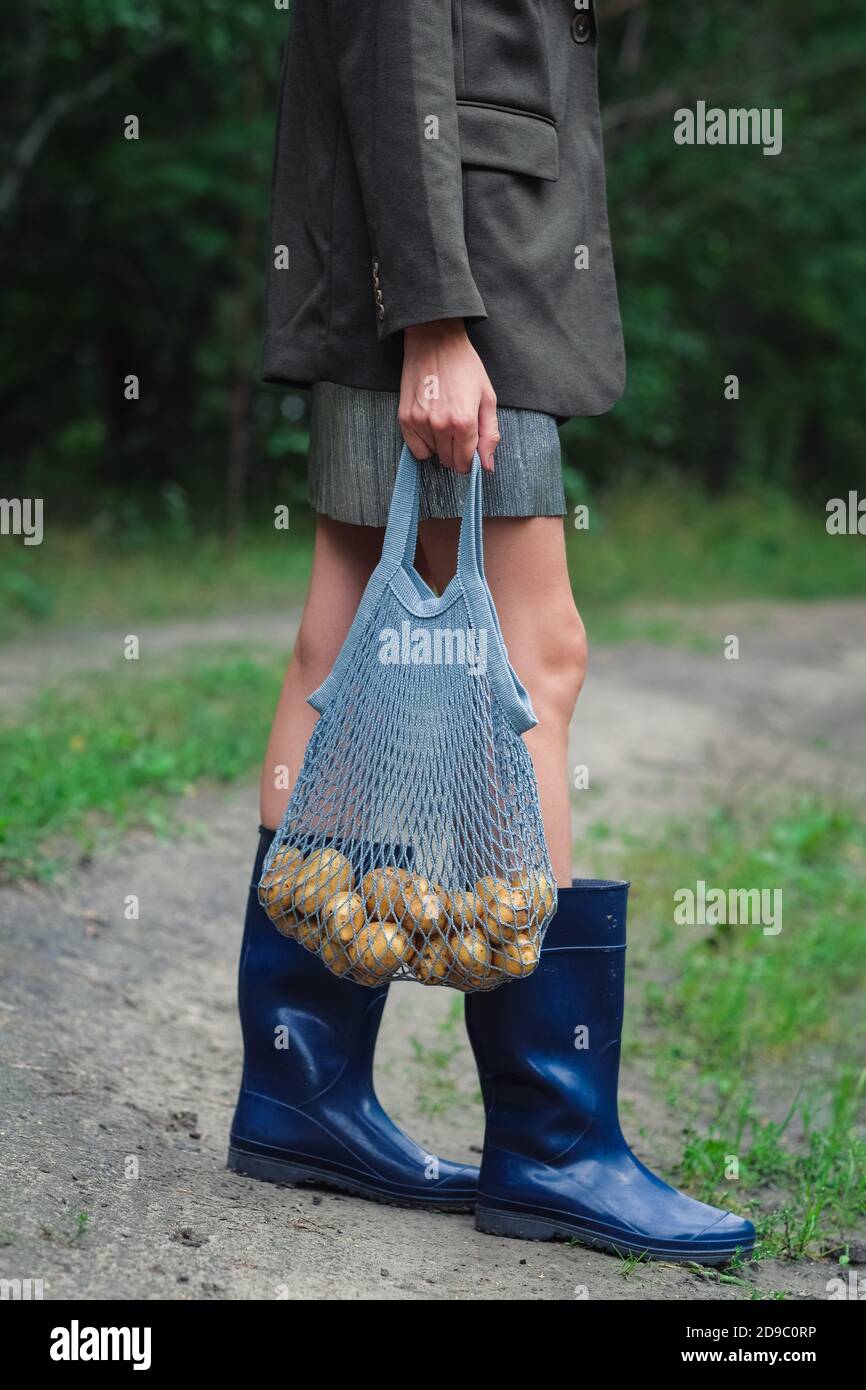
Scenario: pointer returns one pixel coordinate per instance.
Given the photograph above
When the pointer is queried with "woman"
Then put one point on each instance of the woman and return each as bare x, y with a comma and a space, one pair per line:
442, 274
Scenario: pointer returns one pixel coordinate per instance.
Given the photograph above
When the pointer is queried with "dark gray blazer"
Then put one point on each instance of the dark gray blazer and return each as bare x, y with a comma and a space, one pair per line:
442, 159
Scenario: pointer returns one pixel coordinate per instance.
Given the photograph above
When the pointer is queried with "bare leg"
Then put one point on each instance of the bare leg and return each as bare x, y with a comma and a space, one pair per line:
343, 560
524, 558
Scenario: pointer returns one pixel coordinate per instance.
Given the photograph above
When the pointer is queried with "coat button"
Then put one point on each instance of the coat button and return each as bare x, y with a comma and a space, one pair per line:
581, 27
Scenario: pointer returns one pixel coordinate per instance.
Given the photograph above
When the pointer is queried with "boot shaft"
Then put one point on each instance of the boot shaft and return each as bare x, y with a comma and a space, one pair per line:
303, 1028
548, 1047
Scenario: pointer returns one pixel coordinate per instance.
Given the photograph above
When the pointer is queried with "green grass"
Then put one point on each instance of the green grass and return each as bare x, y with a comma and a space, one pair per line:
436, 1068
112, 752
73, 581
757, 1040
667, 542
671, 541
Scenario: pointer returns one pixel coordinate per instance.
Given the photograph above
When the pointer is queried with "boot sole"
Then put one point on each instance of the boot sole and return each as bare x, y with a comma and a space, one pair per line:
494, 1222
279, 1170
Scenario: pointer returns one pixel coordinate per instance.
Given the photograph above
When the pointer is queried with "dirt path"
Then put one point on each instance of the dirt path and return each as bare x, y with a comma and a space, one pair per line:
120, 1040
28, 666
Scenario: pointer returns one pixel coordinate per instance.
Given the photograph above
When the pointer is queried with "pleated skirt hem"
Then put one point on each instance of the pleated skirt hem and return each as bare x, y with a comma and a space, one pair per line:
355, 443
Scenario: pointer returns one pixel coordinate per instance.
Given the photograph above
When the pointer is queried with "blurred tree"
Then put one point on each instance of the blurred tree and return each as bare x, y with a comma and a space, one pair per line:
731, 261
147, 256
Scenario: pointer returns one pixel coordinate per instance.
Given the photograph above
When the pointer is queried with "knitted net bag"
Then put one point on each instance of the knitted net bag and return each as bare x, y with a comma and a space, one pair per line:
412, 847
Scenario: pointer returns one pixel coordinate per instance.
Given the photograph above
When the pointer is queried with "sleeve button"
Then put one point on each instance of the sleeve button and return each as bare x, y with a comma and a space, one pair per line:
581, 27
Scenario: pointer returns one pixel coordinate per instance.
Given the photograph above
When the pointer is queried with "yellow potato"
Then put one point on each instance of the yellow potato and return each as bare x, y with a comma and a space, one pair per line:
428, 920
543, 896
286, 859
379, 948
335, 957
276, 899
506, 908
308, 934
466, 909
410, 899
342, 917
277, 885
433, 962
322, 874
471, 952
538, 888
518, 957
380, 889
286, 925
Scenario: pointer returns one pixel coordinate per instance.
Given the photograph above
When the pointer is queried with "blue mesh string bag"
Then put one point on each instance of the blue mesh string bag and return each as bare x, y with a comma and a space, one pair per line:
412, 847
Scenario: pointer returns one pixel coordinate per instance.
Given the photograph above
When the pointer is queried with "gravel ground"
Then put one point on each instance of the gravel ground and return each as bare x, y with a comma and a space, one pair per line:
121, 1048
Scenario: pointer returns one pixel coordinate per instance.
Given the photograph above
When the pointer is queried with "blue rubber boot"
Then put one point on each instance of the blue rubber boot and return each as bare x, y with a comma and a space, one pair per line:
555, 1161
308, 1112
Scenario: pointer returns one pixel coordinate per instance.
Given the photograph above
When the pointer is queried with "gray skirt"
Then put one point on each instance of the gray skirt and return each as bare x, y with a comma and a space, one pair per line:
355, 442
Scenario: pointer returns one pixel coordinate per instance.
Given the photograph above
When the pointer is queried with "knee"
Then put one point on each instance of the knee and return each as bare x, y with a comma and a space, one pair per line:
559, 662
314, 653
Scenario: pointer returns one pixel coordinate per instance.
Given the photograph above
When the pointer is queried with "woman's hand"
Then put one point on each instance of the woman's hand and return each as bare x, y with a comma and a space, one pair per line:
447, 405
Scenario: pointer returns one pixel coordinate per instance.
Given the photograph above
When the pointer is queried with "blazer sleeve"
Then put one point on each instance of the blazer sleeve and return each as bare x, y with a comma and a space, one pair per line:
395, 69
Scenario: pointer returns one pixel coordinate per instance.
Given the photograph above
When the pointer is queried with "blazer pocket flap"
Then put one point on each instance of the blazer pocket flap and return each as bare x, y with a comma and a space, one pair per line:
498, 137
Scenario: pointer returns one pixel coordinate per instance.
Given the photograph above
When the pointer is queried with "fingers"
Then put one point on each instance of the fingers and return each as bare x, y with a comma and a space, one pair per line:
447, 403
456, 439
488, 430
415, 427
418, 447
450, 434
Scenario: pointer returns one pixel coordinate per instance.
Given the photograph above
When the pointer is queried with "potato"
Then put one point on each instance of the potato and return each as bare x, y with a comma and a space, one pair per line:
380, 889
429, 920
433, 962
518, 957
379, 948
336, 960
322, 874
543, 896
471, 952
414, 889
286, 859
538, 888
286, 925
506, 908
335, 956
277, 884
276, 899
342, 918
466, 909
308, 933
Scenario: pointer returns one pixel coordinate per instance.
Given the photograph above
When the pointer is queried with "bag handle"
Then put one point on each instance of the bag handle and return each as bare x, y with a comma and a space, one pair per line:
470, 549
396, 567
401, 532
